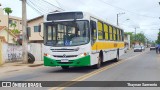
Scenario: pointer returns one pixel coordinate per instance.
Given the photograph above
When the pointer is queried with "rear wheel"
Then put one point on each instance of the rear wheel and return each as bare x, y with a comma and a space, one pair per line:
65, 67
117, 58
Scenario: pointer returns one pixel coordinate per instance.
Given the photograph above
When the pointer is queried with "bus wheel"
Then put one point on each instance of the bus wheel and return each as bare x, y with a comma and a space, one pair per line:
65, 67
117, 58
98, 65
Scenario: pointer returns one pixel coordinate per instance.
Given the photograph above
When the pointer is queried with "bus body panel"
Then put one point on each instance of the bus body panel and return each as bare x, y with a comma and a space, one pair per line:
74, 58
108, 47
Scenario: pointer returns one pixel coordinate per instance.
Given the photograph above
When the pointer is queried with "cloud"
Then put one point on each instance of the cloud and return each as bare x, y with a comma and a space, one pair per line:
140, 12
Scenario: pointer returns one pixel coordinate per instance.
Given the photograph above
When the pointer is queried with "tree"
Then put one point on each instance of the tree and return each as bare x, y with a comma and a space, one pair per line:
13, 25
8, 11
16, 31
158, 39
140, 37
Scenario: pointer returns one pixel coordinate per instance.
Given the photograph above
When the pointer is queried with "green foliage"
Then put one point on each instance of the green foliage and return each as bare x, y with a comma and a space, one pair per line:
16, 32
8, 10
158, 39
13, 25
140, 37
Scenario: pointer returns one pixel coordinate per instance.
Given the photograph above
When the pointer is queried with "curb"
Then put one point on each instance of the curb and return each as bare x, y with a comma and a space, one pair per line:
35, 65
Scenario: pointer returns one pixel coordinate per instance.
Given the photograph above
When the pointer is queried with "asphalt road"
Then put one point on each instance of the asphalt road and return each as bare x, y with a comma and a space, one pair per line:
133, 66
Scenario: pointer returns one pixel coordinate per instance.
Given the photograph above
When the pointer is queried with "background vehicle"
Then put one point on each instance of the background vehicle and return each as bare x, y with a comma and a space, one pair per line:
138, 48
143, 47
80, 39
152, 47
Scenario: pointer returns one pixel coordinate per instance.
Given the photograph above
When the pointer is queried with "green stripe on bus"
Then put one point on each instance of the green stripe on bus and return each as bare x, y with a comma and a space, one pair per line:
84, 61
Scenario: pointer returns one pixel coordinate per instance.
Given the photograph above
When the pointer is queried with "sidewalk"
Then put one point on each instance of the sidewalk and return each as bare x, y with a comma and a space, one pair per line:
16, 66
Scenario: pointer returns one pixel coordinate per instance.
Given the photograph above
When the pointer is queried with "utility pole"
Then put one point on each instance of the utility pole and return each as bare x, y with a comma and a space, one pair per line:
135, 33
24, 34
118, 18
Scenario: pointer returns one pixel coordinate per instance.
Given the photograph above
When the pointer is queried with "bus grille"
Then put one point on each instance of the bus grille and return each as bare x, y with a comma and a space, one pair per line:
65, 62
67, 56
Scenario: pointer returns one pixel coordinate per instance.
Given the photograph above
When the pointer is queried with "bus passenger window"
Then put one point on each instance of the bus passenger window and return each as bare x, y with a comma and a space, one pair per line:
100, 31
93, 31
117, 34
110, 32
106, 32
114, 34
120, 35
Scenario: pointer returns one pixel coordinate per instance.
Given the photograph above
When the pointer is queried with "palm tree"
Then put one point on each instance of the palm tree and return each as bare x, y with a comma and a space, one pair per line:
13, 25
8, 11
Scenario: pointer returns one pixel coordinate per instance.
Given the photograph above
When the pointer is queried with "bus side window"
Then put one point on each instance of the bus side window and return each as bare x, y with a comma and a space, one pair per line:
122, 35
106, 32
110, 33
100, 30
93, 31
114, 34
118, 35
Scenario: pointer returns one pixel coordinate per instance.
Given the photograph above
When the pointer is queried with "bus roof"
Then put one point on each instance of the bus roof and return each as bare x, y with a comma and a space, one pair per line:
85, 13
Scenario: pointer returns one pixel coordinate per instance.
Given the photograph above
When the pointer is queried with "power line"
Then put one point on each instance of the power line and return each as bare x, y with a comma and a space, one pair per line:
42, 6
53, 5
59, 4
151, 25
36, 5
126, 10
34, 8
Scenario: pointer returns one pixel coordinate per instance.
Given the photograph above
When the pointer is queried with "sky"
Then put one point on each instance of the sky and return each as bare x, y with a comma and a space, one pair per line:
140, 14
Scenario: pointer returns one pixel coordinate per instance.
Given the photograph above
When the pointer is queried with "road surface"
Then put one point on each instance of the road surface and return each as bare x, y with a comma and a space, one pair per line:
133, 66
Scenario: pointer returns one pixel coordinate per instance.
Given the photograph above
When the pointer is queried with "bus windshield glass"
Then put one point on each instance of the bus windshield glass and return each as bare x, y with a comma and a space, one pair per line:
66, 33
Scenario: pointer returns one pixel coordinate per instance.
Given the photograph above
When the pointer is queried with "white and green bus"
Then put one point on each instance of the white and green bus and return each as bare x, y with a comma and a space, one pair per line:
76, 39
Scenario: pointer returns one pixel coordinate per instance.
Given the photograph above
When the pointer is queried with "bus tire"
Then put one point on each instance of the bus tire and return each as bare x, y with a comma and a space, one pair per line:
100, 60
31, 58
117, 56
65, 67
98, 65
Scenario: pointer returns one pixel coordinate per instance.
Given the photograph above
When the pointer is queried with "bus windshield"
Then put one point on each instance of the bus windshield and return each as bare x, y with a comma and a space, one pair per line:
66, 33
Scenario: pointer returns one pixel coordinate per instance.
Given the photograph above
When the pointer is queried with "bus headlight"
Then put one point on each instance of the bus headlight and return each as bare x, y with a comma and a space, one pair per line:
84, 54
47, 55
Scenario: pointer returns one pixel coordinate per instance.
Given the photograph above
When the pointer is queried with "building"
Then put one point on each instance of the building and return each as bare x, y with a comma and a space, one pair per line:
127, 41
4, 33
12, 19
33, 29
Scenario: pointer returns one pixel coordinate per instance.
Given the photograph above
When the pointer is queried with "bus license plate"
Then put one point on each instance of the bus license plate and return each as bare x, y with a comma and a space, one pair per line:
64, 60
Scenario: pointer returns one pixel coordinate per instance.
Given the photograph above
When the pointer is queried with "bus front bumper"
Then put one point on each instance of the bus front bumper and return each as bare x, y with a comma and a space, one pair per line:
84, 61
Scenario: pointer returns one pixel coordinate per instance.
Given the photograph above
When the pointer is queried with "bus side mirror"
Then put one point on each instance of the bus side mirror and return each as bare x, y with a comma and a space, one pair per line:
39, 28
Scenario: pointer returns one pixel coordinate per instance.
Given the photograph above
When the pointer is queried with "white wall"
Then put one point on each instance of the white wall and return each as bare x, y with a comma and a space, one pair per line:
37, 50
12, 53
